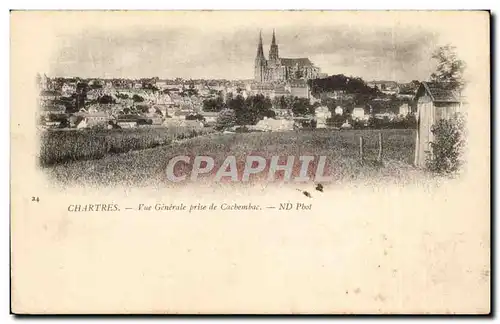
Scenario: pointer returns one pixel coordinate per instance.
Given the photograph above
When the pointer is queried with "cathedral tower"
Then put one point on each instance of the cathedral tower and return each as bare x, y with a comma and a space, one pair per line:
273, 51
260, 62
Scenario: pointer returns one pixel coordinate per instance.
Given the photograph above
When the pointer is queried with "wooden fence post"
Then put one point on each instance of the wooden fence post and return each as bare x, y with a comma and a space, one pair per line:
361, 143
380, 147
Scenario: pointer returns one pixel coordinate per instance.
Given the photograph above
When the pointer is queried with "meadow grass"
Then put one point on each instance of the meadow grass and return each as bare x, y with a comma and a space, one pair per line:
148, 166
60, 146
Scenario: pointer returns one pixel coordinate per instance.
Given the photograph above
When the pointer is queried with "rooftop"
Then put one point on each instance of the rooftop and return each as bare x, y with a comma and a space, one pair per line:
303, 61
440, 91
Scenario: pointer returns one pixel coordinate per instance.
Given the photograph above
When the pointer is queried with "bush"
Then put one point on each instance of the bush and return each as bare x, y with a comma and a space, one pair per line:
407, 122
195, 117
336, 120
226, 119
359, 124
122, 96
242, 129
137, 98
106, 99
447, 147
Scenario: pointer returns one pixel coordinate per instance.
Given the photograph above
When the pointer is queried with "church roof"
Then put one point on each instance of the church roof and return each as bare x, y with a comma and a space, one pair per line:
303, 61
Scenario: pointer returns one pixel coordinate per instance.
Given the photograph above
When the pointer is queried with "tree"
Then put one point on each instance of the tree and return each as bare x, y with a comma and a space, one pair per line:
137, 98
122, 95
330, 103
106, 99
229, 96
250, 110
64, 123
341, 82
336, 120
142, 108
213, 104
68, 102
257, 106
238, 105
144, 121
158, 112
449, 68
149, 86
300, 106
448, 143
189, 92
226, 119
279, 102
195, 117
96, 85
269, 114
81, 94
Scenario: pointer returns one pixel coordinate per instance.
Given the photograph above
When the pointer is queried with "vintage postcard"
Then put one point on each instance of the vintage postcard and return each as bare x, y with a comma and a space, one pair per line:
250, 162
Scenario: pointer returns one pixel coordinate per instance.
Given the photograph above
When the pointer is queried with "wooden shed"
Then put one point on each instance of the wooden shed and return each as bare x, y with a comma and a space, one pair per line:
435, 101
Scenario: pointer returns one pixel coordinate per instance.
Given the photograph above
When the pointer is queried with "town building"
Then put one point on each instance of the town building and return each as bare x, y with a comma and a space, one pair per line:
47, 97
386, 87
322, 114
298, 88
358, 113
339, 110
93, 119
404, 109
68, 88
210, 117
271, 124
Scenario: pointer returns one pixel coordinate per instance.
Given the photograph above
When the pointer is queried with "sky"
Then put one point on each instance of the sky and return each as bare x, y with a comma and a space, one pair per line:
202, 49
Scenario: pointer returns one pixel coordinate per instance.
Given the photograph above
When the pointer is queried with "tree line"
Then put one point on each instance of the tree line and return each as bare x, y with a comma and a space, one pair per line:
259, 104
340, 82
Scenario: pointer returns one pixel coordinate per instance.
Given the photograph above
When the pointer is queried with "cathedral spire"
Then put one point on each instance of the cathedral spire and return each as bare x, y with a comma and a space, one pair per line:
260, 62
260, 50
273, 50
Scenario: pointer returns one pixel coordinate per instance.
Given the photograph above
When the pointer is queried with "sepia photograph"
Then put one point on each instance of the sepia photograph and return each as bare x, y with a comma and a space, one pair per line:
151, 107
279, 162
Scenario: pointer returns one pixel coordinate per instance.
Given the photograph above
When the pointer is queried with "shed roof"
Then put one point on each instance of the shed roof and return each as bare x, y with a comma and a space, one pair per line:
440, 91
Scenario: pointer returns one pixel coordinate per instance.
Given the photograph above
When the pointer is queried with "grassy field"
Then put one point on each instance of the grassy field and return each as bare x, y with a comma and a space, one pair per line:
59, 146
147, 167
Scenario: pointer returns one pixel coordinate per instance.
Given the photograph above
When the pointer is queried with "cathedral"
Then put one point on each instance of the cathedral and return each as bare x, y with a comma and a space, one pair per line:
277, 69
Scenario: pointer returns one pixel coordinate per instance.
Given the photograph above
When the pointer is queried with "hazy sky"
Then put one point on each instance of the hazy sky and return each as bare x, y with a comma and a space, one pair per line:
394, 52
